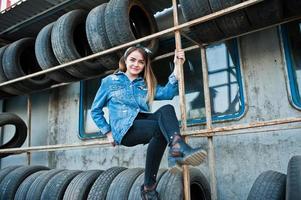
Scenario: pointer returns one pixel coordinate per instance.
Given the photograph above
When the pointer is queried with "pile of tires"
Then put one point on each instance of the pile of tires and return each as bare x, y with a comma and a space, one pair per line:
38, 182
74, 35
274, 185
19, 135
255, 16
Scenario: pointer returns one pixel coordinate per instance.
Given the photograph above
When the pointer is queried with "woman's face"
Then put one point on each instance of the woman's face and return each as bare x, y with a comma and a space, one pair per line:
135, 63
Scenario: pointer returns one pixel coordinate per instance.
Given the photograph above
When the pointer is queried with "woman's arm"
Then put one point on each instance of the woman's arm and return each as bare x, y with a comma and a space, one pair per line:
99, 102
170, 89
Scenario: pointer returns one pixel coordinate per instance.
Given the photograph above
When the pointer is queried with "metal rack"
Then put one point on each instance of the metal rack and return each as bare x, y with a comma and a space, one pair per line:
208, 132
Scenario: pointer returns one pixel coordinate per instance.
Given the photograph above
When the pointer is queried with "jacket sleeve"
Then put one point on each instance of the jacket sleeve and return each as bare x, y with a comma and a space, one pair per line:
169, 90
100, 101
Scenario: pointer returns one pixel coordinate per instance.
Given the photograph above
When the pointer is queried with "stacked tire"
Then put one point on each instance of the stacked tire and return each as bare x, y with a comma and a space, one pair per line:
38, 182
274, 185
75, 35
259, 15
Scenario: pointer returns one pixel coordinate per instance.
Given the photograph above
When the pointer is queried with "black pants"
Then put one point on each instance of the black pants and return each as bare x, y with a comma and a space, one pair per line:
157, 129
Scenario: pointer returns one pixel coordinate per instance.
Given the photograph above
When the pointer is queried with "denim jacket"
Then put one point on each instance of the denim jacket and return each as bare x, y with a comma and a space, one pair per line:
125, 99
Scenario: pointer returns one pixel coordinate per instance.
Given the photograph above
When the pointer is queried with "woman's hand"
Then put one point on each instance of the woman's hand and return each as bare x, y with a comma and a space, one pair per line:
178, 59
110, 138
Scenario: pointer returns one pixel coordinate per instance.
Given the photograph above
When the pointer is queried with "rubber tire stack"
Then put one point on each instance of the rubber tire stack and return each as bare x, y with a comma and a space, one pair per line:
38, 182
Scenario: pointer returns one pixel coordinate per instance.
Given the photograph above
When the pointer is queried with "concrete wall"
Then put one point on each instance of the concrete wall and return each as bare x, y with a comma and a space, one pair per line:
239, 158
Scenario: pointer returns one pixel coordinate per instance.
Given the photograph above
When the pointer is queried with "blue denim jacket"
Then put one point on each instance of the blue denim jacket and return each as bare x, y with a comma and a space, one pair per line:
125, 99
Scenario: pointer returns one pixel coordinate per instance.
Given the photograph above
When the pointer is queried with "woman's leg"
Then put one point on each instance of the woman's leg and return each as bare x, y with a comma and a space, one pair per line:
146, 131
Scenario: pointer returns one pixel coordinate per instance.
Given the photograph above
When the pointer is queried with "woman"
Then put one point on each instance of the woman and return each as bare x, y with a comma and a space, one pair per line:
128, 94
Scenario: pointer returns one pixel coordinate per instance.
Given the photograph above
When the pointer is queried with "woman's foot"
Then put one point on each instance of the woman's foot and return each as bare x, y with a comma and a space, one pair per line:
180, 153
149, 193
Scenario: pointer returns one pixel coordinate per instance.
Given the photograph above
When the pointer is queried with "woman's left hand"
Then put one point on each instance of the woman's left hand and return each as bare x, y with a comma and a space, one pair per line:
178, 59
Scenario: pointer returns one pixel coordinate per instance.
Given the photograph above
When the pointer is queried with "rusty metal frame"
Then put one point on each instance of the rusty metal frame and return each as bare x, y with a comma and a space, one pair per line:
208, 132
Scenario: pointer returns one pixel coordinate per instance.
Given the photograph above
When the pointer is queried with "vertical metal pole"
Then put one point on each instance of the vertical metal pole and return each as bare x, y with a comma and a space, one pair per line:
211, 154
29, 106
179, 68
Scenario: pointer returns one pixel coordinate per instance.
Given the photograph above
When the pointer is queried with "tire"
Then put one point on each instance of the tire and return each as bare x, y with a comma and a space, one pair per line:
292, 7
265, 13
25, 185
46, 57
69, 42
20, 131
97, 36
171, 186
101, 186
135, 189
9, 89
6, 170
205, 32
79, 187
268, 185
37, 187
56, 187
19, 60
119, 14
293, 180
121, 185
11, 182
233, 23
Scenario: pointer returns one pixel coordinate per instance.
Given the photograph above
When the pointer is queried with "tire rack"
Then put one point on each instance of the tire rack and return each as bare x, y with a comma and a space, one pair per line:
209, 132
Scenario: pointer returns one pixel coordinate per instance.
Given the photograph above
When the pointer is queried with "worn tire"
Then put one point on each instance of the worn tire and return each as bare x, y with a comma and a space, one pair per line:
293, 179
20, 131
233, 23
135, 189
79, 187
268, 185
57, 185
97, 36
121, 185
46, 57
101, 186
9, 89
69, 42
127, 20
19, 60
25, 185
171, 186
205, 32
265, 13
37, 187
11, 182
6, 170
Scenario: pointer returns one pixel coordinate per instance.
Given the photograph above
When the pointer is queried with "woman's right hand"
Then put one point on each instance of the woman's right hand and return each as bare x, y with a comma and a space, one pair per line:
110, 138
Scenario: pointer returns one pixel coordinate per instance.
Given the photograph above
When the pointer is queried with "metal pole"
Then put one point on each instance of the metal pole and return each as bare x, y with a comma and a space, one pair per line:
179, 68
29, 107
211, 156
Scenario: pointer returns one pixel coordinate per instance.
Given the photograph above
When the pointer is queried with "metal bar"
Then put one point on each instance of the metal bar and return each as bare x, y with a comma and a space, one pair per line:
211, 154
57, 147
29, 109
149, 37
179, 69
220, 131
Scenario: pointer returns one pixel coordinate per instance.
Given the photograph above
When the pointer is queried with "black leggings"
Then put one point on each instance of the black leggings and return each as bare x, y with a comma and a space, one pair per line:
157, 129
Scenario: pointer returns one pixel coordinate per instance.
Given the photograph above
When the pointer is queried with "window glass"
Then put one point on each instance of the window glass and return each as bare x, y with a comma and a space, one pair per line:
291, 33
225, 86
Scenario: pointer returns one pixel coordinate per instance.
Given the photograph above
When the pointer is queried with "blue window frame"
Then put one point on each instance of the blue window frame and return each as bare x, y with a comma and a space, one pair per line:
225, 85
291, 34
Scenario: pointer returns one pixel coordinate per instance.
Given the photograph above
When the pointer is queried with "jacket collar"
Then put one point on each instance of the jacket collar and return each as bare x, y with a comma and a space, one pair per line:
121, 73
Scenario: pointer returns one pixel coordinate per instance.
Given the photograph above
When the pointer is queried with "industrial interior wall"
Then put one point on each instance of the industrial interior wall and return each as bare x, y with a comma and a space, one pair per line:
239, 158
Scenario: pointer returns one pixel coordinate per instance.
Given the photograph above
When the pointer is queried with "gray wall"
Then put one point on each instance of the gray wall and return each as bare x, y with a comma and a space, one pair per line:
239, 158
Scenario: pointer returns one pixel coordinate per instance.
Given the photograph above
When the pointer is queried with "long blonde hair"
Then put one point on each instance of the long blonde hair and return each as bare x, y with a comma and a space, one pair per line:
147, 73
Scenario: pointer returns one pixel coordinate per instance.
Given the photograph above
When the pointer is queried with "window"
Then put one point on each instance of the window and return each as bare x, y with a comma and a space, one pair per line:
225, 85
291, 34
